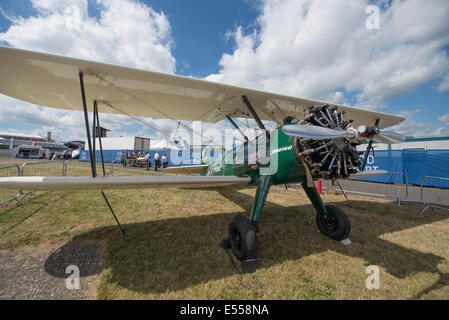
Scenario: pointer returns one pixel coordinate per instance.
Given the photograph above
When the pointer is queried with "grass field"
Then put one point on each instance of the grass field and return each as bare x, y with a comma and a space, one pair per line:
174, 249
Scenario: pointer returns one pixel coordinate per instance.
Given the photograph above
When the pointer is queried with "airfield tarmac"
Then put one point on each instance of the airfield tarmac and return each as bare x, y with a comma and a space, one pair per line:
39, 272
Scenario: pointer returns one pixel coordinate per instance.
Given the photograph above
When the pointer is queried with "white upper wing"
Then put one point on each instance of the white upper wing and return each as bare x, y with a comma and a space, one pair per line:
53, 81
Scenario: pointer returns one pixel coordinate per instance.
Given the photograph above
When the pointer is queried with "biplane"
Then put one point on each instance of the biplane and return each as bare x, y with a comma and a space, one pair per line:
313, 139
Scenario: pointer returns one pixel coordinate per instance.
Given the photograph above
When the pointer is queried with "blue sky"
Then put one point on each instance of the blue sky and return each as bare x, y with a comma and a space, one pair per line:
273, 45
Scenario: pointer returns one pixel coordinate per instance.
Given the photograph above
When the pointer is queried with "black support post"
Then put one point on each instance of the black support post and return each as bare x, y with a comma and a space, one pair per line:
86, 120
94, 139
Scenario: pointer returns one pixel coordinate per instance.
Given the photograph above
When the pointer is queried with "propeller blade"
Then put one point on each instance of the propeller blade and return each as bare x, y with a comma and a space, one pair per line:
367, 174
321, 133
314, 132
388, 137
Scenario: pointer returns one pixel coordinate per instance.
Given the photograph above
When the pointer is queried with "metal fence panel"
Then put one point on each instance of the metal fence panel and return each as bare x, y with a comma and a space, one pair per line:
43, 168
397, 191
117, 169
437, 195
389, 190
8, 195
73, 168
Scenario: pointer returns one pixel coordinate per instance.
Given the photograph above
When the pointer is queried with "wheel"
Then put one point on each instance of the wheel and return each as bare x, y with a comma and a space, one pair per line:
242, 238
335, 224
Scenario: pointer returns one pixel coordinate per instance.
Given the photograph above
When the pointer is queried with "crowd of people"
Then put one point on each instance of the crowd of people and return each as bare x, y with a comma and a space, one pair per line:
138, 159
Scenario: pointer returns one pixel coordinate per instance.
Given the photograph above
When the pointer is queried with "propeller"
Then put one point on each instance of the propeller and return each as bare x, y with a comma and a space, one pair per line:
388, 137
315, 132
325, 142
372, 133
369, 173
322, 133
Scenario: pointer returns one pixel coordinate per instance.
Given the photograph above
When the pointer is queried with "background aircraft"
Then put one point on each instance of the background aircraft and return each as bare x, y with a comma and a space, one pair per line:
313, 139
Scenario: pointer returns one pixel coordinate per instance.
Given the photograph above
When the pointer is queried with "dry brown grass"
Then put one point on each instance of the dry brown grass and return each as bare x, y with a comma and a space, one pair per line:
174, 248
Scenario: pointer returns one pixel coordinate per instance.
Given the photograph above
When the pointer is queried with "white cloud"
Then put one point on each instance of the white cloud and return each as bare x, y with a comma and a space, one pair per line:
50, 6
444, 85
412, 128
67, 124
444, 119
127, 33
314, 48
6, 16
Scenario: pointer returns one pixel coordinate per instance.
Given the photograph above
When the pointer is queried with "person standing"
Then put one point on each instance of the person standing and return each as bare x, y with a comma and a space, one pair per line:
122, 158
164, 161
156, 161
147, 161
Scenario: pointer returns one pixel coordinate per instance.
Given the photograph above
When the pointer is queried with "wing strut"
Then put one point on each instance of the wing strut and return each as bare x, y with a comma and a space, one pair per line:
256, 117
245, 143
94, 138
86, 120
259, 122
116, 220
238, 128
99, 135
93, 160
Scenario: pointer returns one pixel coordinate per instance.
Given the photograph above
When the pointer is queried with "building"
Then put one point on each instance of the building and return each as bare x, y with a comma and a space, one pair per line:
22, 138
120, 143
16, 140
101, 132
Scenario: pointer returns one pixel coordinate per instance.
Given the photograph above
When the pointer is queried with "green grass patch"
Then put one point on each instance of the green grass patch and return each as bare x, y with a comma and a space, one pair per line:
174, 249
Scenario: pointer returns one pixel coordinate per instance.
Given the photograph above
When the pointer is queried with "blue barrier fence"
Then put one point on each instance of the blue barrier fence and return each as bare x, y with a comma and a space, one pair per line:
413, 163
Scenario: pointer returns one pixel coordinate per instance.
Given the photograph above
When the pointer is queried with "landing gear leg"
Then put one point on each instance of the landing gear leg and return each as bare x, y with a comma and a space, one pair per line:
242, 231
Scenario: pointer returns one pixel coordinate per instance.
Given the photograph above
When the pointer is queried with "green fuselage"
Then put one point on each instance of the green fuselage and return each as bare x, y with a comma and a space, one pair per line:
285, 167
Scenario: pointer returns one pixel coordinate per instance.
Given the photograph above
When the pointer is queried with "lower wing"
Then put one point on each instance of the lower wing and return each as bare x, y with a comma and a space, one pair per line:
123, 182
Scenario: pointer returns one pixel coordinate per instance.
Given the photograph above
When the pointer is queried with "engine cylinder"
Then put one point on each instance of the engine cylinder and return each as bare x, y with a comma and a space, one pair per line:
330, 158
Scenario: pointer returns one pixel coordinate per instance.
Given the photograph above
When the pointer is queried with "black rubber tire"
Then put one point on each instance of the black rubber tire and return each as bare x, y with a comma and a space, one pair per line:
337, 226
243, 238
